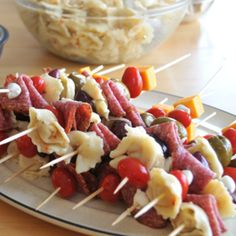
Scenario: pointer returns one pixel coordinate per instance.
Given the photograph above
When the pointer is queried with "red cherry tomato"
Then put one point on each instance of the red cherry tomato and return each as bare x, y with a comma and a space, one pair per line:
39, 83
62, 178
183, 181
230, 171
181, 116
133, 80
157, 112
3, 148
56, 113
26, 147
109, 184
134, 170
231, 135
99, 79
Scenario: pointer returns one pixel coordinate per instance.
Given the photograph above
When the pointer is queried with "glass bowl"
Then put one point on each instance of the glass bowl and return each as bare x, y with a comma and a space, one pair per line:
101, 31
197, 8
3, 37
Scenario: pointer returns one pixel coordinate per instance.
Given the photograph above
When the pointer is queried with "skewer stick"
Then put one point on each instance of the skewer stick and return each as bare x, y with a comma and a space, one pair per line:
121, 185
172, 63
149, 206
164, 101
124, 215
177, 230
205, 119
51, 163
3, 90
48, 198
87, 199
6, 158
97, 69
16, 136
18, 173
111, 69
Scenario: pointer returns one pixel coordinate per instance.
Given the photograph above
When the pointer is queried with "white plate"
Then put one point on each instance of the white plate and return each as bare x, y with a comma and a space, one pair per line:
95, 217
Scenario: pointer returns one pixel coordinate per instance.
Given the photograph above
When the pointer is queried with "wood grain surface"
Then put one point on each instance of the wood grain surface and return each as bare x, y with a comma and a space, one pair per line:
210, 40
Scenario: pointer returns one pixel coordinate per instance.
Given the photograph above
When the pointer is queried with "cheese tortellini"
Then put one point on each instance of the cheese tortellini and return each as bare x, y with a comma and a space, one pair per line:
140, 145
49, 136
194, 219
168, 188
90, 149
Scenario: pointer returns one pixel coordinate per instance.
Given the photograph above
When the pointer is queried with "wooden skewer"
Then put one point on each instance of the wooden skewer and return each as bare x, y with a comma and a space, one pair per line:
53, 162
3, 90
6, 158
48, 198
16, 136
121, 185
124, 215
88, 198
97, 69
149, 206
177, 230
18, 173
164, 101
172, 63
118, 67
205, 119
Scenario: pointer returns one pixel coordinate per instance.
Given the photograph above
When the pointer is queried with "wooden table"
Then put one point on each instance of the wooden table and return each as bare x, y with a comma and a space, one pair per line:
211, 40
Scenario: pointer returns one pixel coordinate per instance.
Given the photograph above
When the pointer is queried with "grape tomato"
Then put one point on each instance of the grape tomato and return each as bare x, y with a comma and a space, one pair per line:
26, 147
39, 83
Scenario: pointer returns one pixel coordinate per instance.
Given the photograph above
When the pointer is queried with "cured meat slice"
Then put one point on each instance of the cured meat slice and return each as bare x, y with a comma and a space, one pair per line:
36, 98
21, 103
184, 160
82, 116
150, 218
113, 103
168, 133
133, 115
208, 203
76, 114
111, 139
131, 111
5, 120
96, 129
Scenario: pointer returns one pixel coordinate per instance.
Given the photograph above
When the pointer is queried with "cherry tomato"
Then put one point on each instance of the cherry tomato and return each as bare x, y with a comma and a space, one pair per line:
230, 171
157, 112
3, 148
134, 170
62, 178
109, 184
26, 147
133, 80
39, 83
99, 79
183, 181
231, 135
56, 113
181, 116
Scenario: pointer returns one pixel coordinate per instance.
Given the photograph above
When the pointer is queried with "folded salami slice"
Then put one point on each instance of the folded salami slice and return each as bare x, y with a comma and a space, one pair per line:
184, 160
150, 218
6, 122
113, 103
208, 203
36, 98
21, 103
131, 111
110, 138
168, 133
76, 114
97, 130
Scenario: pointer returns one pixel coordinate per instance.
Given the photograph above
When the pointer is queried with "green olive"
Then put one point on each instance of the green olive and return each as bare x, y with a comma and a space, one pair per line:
78, 80
123, 87
148, 118
181, 129
222, 147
